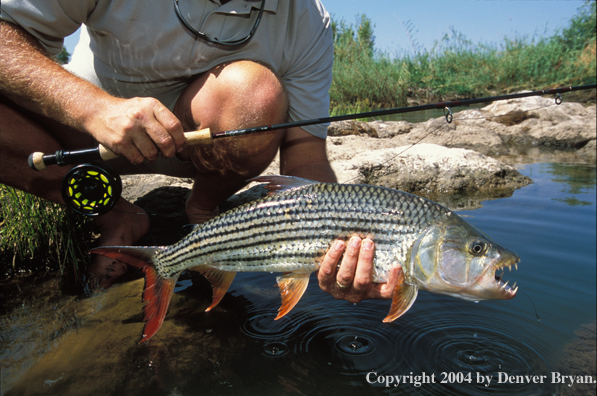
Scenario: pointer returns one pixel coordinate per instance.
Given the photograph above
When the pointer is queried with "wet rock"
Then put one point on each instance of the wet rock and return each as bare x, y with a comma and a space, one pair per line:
449, 176
351, 127
457, 164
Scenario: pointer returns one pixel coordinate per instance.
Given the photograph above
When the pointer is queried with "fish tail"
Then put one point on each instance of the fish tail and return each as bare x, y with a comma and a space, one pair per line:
158, 290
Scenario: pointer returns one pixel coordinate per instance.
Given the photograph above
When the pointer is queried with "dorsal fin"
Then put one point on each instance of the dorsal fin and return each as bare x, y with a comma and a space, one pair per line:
278, 183
403, 298
187, 229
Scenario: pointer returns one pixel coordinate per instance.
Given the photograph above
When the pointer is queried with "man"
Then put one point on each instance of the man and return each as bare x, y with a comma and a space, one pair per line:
143, 73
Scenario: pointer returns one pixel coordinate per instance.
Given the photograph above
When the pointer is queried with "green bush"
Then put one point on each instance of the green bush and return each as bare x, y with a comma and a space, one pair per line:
456, 66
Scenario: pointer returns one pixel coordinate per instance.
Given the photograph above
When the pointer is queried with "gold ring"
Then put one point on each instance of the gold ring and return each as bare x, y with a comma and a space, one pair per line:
341, 286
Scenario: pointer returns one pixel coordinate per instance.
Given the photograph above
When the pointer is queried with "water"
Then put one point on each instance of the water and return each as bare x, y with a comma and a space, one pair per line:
325, 346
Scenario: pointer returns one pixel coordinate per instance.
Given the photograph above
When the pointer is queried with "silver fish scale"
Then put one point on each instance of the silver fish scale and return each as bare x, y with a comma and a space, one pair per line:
292, 230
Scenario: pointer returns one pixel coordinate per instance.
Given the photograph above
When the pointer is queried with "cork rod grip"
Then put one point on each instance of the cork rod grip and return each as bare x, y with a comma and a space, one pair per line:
39, 161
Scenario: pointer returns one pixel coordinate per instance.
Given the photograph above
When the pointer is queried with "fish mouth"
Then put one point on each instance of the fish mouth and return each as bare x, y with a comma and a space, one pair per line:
506, 290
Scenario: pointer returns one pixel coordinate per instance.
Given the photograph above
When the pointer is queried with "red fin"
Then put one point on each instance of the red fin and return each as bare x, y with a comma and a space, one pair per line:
157, 295
277, 184
292, 287
158, 290
403, 298
220, 282
137, 256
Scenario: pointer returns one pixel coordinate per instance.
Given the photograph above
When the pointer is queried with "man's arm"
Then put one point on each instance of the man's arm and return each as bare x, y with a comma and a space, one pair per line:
136, 128
304, 155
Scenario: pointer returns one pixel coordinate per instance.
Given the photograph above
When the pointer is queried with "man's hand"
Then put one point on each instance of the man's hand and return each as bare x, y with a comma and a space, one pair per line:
352, 280
138, 129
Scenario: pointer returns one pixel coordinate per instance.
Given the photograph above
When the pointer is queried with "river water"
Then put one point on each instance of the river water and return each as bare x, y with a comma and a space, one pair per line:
442, 346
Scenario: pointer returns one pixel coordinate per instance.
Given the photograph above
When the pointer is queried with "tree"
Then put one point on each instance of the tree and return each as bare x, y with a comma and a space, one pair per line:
63, 57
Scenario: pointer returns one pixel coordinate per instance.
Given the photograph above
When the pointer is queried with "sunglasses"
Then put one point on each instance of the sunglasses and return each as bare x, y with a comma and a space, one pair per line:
215, 40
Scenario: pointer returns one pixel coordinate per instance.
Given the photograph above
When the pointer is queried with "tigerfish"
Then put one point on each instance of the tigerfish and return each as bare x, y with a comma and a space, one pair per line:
292, 228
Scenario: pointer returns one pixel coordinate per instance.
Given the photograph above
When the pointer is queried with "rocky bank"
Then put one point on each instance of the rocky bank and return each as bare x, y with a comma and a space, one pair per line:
457, 164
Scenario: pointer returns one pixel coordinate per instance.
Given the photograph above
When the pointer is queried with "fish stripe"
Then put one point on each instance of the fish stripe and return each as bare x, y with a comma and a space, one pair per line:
294, 228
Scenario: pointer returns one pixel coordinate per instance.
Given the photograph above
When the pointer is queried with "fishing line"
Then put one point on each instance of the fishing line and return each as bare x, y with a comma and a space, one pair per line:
449, 118
534, 309
94, 188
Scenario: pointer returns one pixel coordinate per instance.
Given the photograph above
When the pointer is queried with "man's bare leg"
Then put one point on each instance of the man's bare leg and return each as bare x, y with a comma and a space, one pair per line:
231, 96
20, 137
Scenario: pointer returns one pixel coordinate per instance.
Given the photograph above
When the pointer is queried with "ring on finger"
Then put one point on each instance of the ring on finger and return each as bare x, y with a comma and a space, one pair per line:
341, 286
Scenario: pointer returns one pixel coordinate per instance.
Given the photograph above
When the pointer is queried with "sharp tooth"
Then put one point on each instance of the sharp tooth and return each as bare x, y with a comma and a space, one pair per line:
515, 290
516, 266
510, 268
505, 284
514, 285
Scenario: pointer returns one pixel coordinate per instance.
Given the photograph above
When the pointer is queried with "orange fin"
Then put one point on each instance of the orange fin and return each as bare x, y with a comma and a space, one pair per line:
220, 282
403, 298
158, 290
156, 296
292, 287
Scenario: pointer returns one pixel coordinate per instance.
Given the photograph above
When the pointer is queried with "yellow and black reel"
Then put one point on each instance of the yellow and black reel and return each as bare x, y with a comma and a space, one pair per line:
91, 189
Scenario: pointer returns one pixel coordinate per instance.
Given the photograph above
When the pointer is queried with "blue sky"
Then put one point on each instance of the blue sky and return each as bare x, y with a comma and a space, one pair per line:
481, 21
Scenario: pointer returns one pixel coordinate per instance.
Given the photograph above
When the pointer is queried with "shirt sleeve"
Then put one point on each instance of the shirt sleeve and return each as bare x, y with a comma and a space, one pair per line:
49, 21
309, 77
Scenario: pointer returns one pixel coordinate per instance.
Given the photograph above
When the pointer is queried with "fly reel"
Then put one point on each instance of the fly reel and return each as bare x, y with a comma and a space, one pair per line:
91, 189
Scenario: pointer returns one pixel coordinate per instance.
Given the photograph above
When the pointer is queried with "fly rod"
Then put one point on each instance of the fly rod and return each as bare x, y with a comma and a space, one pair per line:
39, 161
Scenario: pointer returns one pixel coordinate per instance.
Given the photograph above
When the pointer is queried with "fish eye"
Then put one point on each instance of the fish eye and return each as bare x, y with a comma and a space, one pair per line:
477, 247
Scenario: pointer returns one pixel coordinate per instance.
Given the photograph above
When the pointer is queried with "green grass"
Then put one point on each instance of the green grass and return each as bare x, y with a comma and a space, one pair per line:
457, 67
39, 236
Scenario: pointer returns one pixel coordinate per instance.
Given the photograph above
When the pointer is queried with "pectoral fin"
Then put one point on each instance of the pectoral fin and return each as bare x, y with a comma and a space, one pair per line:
403, 298
292, 287
220, 282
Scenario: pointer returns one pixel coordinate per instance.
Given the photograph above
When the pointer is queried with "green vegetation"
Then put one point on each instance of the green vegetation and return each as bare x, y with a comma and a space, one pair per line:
456, 67
37, 235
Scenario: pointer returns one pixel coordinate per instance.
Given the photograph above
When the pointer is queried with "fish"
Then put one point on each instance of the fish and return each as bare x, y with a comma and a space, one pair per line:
291, 229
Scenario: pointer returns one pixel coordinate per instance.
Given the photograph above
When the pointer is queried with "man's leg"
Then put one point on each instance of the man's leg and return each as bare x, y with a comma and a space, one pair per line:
236, 95
23, 133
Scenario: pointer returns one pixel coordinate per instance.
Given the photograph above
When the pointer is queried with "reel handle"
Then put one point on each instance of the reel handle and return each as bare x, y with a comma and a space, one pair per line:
39, 161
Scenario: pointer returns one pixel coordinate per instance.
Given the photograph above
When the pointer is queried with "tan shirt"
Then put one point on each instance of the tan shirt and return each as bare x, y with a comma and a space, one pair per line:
140, 48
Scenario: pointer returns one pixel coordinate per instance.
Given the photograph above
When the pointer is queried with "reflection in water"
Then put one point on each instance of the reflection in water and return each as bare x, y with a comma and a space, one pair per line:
90, 346
39, 323
578, 179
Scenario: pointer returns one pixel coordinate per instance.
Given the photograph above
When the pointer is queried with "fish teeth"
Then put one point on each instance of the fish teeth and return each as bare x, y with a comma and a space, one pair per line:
505, 285
515, 290
516, 266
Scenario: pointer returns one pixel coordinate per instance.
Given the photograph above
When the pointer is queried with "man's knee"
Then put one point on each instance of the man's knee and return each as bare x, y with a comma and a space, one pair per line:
231, 96
234, 95
260, 90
